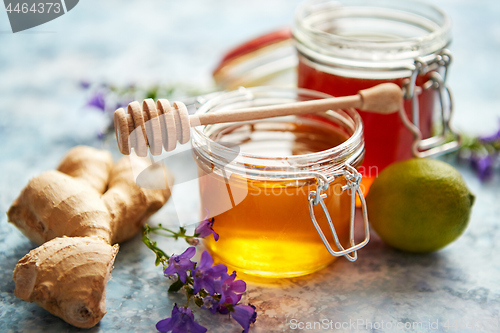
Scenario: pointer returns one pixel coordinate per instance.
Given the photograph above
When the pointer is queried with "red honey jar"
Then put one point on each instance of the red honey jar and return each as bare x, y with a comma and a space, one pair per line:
348, 45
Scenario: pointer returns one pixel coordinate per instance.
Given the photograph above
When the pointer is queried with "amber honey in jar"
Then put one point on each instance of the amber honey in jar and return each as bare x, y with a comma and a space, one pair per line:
271, 185
348, 45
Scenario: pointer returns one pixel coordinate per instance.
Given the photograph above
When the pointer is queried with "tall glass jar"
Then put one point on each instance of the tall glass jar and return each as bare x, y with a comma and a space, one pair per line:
281, 190
348, 45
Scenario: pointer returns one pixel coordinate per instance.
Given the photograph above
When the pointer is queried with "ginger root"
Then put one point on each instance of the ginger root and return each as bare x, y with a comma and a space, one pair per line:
94, 203
90, 165
67, 276
54, 205
130, 209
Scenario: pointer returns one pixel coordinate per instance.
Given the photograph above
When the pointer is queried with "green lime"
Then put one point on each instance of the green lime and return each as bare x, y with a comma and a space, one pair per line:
419, 205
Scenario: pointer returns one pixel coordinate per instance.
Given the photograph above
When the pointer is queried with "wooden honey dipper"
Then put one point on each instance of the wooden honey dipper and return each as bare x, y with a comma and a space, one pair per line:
162, 125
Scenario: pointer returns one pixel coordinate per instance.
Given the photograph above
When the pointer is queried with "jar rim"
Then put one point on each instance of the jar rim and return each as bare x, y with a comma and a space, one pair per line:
415, 14
266, 165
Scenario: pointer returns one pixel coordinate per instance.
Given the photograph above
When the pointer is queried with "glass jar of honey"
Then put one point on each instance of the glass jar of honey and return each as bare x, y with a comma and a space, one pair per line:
348, 45
281, 190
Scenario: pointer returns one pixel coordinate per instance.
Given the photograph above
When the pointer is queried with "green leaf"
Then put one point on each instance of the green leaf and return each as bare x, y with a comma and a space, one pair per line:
176, 286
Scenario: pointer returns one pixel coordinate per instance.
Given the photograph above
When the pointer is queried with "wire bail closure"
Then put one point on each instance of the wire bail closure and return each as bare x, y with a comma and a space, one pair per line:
353, 179
438, 144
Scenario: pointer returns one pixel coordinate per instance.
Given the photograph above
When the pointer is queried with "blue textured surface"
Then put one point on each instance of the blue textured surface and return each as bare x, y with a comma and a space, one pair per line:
120, 42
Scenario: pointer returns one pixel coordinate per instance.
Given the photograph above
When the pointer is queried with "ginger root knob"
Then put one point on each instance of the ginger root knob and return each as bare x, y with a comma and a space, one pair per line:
97, 204
67, 276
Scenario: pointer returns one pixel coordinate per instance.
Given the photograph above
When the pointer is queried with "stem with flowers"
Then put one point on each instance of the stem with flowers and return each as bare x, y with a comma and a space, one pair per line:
208, 285
481, 153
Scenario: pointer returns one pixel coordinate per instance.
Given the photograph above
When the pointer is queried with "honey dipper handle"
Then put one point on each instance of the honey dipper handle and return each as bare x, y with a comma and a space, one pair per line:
161, 125
384, 98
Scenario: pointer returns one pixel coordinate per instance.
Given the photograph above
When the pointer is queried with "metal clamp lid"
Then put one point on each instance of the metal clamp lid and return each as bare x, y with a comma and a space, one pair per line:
353, 179
437, 69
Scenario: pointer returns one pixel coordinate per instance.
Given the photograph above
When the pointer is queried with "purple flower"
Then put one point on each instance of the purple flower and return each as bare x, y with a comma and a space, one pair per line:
205, 275
245, 315
84, 84
182, 321
205, 228
211, 304
180, 264
222, 309
229, 288
101, 135
97, 101
490, 138
483, 166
